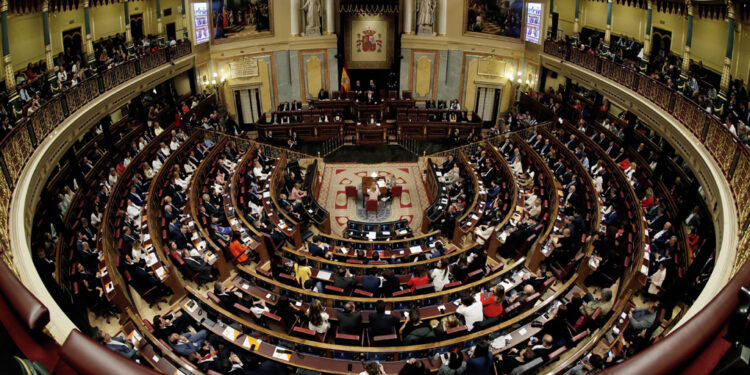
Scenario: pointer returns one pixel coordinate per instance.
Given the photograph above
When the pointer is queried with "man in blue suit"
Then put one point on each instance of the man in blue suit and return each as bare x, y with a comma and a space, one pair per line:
118, 345
186, 343
480, 362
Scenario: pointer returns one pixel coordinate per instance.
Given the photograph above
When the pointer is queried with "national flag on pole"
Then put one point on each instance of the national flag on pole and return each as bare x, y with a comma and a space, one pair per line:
346, 84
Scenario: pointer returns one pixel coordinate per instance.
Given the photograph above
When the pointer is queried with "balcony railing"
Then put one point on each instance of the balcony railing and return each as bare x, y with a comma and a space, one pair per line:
19, 143
727, 149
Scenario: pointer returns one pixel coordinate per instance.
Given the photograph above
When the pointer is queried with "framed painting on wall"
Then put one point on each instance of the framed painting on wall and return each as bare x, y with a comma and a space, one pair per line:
232, 20
502, 18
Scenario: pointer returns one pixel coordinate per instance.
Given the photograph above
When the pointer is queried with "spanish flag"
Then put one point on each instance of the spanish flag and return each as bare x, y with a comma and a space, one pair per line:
346, 84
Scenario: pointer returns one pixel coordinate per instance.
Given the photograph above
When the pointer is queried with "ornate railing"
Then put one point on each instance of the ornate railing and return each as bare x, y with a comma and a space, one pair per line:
18, 145
727, 149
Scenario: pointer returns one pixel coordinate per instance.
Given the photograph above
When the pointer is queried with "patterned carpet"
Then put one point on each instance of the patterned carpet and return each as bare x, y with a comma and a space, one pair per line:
336, 176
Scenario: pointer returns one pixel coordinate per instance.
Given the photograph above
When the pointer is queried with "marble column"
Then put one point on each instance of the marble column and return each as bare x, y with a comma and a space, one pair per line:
87, 29
294, 10
647, 39
442, 26
47, 44
688, 37
725, 72
330, 17
158, 17
609, 22
408, 16
126, 9
184, 20
10, 81
576, 26
549, 19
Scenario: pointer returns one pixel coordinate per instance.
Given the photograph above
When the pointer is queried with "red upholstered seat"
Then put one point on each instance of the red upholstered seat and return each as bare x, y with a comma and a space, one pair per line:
396, 191
371, 205
351, 191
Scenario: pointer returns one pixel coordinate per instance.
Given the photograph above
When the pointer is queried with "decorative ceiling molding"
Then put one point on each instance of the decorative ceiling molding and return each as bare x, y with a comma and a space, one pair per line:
33, 6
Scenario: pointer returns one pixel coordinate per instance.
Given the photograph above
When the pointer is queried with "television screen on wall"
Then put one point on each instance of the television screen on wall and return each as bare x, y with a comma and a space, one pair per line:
533, 22
200, 23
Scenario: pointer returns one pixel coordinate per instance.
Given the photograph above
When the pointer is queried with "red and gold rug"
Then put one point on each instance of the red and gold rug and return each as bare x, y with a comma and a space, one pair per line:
336, 176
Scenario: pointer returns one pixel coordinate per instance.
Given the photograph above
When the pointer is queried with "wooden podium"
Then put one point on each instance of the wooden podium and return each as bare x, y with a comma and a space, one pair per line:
371, 134
367, 182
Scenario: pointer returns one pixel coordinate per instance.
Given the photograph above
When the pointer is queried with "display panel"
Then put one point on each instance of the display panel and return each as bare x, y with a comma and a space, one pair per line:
200, 21
533, 22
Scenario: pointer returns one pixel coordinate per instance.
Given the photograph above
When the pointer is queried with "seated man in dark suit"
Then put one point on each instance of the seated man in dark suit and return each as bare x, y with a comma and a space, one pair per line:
166, 325
227, 299
371, 282
544, 348
343, 279
480, 361
350, 320
382, 323
118, 345
318, 249
448, 164
186, 343
146, 279
197, 265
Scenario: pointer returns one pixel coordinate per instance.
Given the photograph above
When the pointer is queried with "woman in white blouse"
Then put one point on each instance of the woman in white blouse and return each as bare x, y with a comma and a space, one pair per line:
517, 166
112, 178
657, 279
156, 163
318, 318
440, 275
148, 172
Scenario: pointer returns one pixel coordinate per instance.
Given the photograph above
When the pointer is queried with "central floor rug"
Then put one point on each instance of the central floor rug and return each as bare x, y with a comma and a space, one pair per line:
336, 176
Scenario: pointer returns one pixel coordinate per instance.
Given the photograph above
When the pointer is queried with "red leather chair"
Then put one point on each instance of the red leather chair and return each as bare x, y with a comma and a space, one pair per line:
351, 191
371, 205
396, 191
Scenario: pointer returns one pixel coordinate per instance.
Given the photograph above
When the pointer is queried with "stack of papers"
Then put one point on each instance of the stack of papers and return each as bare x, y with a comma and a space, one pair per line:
230, 333
415, 249
151, 259
324, 275
281, 354
161, 273
250, 342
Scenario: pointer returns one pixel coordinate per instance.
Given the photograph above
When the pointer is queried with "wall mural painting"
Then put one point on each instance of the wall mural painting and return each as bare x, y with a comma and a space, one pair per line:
234, 19
495, 17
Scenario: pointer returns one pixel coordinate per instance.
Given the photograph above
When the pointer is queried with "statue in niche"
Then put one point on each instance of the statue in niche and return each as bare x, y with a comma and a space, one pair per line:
425, 19
312, 17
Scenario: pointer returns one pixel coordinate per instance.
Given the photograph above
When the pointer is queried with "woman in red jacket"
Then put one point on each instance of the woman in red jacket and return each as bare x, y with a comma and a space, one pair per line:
420, 278
492, 302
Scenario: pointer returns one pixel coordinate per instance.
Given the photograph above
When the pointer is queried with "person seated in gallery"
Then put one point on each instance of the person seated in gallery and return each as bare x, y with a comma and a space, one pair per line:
371, 120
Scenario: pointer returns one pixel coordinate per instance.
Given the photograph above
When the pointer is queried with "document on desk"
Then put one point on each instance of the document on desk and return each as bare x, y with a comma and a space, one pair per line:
161, 272
415, 249
151, 259
250, 341
323, 275
267, 194
230, 333
281, 354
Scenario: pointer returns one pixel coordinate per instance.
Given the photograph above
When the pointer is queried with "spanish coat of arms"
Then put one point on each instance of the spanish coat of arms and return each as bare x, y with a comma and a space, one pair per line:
369, 41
